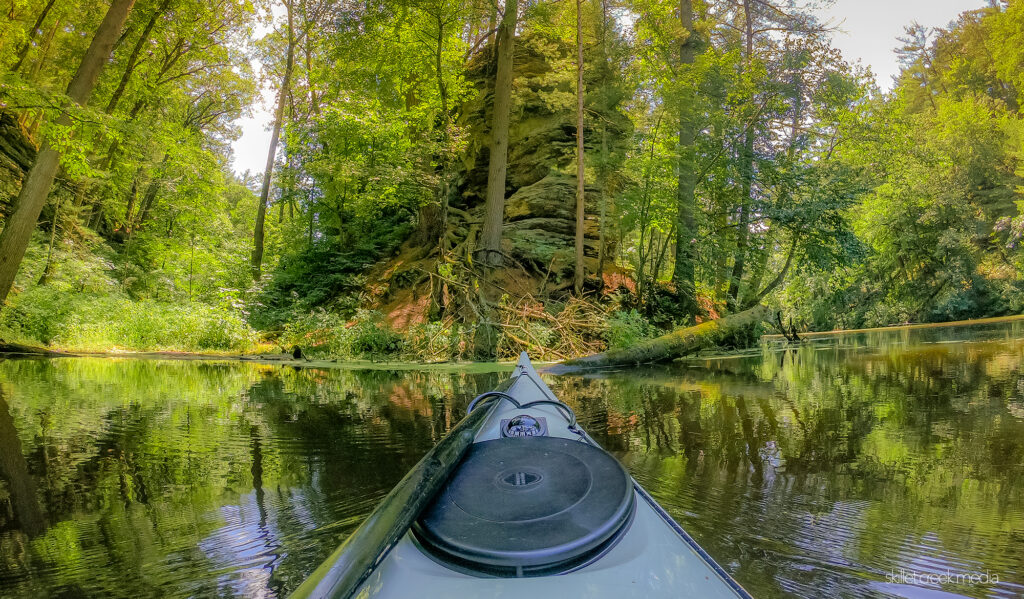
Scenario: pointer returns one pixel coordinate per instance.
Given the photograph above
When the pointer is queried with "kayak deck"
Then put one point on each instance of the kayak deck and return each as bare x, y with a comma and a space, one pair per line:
651, 559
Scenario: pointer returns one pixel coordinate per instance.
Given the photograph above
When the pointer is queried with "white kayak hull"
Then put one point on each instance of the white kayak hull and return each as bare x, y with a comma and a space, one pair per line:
653, 558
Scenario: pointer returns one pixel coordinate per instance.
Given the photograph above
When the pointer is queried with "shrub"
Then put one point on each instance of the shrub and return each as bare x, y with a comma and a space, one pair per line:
320, 334
373, 337
326, 334
626, 328
888, 312
328, 274
36, 316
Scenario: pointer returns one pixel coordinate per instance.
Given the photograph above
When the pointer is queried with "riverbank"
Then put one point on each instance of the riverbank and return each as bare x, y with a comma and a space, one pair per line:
13, 350
287, 359
905, 327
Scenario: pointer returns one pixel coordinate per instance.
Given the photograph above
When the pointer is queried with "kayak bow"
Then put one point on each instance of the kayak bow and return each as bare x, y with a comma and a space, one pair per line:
517, 499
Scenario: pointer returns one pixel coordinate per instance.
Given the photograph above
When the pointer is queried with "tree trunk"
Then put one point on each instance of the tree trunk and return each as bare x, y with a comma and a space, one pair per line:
133, 194
314, 100
680, 342
779, 278
602, 174
23, 52
443, 191
722, 259
149, 198
664, 243
743, 222
48, 268
758, 265
686, 206
261, 213
288, 188
133, 58
602, 209
43, 53
18, 229
112, 151
492, 19
754, 292
580, 179
490, 252
746, 178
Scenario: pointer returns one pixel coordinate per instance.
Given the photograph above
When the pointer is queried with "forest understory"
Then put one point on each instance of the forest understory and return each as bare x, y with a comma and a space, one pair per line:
455, 180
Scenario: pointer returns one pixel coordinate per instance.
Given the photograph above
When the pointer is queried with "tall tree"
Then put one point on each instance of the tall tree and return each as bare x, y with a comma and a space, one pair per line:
604, 169
686, 204
580, 195
256, 262
23, 52
133, 57
446, 16
34, 190
494, 218
44, 50
746, 170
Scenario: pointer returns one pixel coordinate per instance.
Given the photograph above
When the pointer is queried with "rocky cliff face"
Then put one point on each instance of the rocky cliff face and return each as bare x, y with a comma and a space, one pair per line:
541, 182
16, 155
540, 192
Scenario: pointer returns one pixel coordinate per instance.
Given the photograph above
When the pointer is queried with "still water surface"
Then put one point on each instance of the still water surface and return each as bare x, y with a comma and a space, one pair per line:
811, 472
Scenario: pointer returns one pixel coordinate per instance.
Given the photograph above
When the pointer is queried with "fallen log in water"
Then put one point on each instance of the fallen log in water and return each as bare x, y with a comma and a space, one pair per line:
680, 342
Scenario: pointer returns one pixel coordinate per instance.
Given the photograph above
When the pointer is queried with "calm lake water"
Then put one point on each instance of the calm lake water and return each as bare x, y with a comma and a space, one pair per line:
810, 472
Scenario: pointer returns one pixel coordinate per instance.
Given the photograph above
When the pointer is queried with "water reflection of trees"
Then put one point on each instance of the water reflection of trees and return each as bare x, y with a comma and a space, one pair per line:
20, 485
199, 478
885, 451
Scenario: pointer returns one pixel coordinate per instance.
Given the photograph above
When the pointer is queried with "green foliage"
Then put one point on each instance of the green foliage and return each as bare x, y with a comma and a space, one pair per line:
324, 334
365, 167
436, 341
939, 163
319, 333
372, 337
104, 321
96, 299
147, 223
627, 328
814, 192
325, 274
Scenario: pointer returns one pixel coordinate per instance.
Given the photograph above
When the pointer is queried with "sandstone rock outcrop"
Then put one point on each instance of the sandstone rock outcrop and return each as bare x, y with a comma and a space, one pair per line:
541, 183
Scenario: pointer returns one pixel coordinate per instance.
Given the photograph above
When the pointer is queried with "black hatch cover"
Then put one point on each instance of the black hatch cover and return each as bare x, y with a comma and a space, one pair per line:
528, 506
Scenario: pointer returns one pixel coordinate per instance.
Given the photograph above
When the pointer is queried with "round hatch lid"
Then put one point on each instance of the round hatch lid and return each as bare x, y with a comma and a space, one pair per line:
528, 506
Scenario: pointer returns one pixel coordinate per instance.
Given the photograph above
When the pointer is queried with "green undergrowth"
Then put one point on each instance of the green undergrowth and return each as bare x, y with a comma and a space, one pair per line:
96, 299
323, 334
90, 302
329, 275
629, 327
101, 322
367, 336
